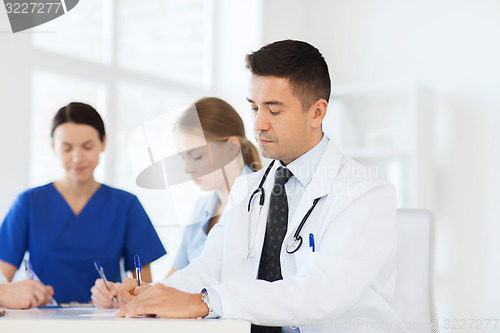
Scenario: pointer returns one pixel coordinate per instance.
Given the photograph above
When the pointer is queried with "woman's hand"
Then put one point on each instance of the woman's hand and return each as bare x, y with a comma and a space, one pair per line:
25, 294
104, 298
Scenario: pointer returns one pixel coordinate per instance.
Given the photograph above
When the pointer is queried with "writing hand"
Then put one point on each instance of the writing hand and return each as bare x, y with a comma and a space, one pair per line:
25, 294
129, 290
104, 298
165, 302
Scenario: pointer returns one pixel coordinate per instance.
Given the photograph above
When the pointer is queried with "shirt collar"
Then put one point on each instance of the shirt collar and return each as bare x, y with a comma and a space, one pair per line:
303, 168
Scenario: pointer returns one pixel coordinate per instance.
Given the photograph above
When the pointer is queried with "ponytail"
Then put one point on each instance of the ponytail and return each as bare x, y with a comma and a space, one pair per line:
219, 121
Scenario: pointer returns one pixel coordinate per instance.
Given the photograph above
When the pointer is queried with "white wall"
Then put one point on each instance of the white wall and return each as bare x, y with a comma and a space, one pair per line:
238, 28
14, 113
453, 47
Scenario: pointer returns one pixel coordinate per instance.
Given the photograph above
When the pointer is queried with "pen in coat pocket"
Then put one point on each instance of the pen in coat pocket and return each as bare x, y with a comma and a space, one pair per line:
311, 242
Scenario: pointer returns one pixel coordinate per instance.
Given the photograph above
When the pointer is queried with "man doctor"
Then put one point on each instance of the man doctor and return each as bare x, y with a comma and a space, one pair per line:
317, 252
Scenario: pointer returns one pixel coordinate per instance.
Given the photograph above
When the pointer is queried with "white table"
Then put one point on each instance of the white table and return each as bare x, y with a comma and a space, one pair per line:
91, 320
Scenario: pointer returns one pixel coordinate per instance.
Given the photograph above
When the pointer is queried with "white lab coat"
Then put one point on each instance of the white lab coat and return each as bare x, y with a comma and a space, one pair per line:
345, 285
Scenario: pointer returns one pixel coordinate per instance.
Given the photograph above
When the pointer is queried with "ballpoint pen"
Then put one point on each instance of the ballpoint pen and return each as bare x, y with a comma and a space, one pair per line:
30, 274
29, 271
137, 262
100, 270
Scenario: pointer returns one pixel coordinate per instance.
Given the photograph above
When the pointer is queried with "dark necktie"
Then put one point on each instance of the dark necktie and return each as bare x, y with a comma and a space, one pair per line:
277, 222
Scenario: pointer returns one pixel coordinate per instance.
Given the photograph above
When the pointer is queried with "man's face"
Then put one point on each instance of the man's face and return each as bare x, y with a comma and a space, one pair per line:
281, 127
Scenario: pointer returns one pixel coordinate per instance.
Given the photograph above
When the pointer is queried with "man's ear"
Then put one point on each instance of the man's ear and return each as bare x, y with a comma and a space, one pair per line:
318, 112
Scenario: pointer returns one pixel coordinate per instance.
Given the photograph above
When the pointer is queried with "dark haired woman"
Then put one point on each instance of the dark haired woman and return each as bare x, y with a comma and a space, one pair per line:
68, 224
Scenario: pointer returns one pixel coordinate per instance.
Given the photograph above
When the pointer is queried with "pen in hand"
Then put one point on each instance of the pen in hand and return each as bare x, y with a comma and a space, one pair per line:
100, 270
29, 271
30, 274
137, 262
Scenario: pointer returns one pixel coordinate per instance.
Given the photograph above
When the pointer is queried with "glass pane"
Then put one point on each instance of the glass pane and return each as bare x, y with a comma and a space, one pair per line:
50, 92
164, 37
135, 105
79, 33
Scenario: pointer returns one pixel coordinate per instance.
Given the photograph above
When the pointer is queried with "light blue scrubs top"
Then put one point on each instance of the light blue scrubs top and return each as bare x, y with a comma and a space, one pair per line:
195, 235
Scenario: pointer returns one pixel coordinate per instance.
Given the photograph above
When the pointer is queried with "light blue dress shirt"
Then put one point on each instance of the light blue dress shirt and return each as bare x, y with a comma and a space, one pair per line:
303, 169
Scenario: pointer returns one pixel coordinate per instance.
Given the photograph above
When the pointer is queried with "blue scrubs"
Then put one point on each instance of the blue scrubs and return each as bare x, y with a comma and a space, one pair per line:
63, 247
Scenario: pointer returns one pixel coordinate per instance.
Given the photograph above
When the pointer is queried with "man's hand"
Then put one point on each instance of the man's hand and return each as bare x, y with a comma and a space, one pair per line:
129, 290
25, 294
165, 302
104, 298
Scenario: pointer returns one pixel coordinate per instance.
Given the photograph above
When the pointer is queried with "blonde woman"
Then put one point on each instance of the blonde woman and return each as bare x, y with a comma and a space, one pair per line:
219, 141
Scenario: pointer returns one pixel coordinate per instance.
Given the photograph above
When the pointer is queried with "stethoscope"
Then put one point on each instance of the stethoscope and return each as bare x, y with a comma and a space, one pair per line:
296, 242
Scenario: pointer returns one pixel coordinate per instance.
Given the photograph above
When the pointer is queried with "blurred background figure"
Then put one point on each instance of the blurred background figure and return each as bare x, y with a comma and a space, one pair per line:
212, 158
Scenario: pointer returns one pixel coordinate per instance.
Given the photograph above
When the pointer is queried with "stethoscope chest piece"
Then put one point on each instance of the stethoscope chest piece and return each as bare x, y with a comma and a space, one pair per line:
293, 246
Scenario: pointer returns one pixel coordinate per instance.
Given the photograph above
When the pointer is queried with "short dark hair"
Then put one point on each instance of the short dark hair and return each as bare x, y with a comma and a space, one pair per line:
79, 113
299, 62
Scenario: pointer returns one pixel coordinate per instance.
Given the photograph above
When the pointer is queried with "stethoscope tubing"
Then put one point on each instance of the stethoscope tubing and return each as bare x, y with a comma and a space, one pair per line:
296, 235
260, 188
297, 239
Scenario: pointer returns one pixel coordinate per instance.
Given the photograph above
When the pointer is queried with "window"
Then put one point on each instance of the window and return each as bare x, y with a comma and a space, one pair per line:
132, 60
